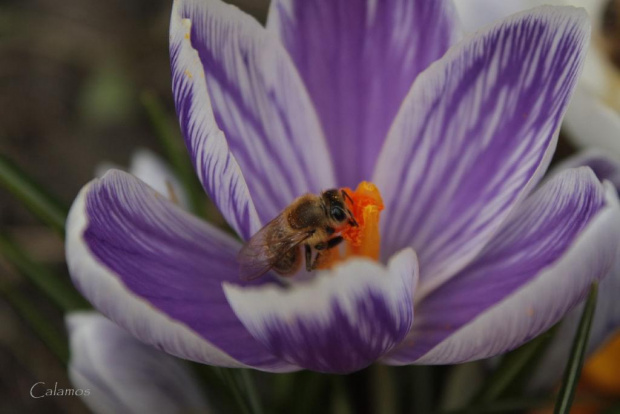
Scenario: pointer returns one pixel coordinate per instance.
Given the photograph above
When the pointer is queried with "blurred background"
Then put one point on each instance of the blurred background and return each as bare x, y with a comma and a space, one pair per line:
72, 74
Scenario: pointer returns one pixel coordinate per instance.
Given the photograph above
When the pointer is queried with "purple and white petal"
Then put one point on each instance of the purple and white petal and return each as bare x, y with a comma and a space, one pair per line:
538, 267
153, 170
475, 134
246, 116
607, 314
156, 270
215, 164
605, 165
123, 375
358, 59
605, 324
339, 322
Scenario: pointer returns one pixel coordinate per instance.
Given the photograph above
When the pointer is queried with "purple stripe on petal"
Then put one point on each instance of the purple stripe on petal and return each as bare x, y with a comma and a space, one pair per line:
474, 135
358, 59
123, 375
157, 271
340, 322
257, 100
538, 267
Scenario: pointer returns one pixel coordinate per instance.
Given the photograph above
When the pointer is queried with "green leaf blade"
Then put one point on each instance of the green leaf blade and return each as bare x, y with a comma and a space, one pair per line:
42, 204
577, 355
59, 290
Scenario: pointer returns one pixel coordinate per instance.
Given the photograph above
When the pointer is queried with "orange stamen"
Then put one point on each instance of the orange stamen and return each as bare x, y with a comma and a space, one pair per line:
601, 370
363, 239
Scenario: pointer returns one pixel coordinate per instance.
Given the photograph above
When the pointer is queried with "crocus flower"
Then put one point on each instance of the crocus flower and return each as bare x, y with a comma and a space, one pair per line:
119, 374
455, 136
593, 117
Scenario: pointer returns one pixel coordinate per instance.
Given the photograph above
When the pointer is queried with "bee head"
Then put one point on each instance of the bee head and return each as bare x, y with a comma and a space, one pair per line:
336, 208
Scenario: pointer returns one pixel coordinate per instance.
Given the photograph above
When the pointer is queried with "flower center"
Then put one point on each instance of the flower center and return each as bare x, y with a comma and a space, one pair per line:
364, 239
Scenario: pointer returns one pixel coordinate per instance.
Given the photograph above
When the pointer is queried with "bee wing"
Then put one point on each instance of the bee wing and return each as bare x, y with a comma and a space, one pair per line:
267, 247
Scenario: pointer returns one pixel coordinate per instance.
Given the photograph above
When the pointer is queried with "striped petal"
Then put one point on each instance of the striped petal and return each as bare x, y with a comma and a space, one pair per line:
123, 375
341, 321
358, 59
604, 165
157, 271
537, 268
607, 314
247, 119
153, 170
475, 134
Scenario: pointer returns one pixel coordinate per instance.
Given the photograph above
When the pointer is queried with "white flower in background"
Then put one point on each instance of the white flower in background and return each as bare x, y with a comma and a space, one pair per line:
593, 117
123, 375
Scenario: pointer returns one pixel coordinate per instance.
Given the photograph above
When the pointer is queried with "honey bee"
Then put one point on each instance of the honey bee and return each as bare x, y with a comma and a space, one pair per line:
313, 221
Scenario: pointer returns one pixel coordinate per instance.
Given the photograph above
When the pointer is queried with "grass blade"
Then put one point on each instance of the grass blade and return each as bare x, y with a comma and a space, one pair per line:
58, 289
242, 388
42, 204
55, 341
577, 353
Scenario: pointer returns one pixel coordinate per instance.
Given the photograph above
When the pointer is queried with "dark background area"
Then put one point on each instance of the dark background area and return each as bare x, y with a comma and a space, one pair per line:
71, 76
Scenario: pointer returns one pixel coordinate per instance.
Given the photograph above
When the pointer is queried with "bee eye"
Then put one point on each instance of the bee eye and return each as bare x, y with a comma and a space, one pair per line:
338, 214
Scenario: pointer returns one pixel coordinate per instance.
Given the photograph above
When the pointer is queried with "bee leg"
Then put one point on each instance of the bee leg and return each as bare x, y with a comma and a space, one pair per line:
316, 261
308, 258
331, 243
352, 221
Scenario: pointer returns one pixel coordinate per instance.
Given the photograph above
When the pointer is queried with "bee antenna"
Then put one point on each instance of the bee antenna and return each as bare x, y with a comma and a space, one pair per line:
346, 196
352, 220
